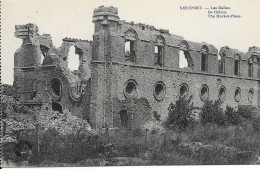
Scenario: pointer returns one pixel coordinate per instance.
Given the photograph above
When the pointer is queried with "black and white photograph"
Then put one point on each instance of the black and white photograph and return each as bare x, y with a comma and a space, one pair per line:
91, 83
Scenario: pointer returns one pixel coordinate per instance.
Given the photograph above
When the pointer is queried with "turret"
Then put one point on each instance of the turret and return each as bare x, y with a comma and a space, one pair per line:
105, 15
106, 23
27, 32
29, 55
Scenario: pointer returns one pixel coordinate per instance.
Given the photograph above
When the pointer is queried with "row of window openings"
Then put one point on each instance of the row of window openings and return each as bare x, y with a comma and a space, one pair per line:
204, 93
237, 68
159, 92
73, 64
130, 55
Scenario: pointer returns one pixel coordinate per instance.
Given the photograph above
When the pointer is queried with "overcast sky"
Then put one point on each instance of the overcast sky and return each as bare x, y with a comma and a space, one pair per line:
73, 18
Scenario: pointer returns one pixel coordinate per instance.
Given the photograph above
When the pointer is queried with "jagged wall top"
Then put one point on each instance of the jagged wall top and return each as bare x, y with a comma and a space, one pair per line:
254, 51
233, 53
145, 32
29, 31
29, 34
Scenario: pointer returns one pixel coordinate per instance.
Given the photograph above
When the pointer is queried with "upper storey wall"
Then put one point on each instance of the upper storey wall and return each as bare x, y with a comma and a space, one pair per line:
147, 45
234, 62
141, 44
147, 38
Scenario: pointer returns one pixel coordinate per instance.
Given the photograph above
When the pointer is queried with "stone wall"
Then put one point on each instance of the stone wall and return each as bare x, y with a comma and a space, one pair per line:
126, 62
113, 68
42, 77
147, 77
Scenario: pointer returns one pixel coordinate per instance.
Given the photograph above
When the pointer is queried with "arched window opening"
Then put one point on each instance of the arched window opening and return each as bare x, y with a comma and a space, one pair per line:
130, 51
159, 50
159, 91
204, 62
184, 90
42, 58
124, 118
185, 59
183, 62
73, 59
251, 95
130, 89
223, 54
44, 52
221, 66
204, 92
56, 88
237, 94
127, 48
204, 58
237, 65
222, 94
56, 106
76, 91
34, 89
250, 67
130, 45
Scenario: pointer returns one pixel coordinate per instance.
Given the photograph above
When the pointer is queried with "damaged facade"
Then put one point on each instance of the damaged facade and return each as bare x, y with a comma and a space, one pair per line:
125, 65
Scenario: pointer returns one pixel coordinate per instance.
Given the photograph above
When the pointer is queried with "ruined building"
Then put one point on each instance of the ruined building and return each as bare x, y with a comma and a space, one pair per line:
126, 62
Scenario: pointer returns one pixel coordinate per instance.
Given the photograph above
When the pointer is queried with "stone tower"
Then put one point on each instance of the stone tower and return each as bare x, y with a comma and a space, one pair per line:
106, 23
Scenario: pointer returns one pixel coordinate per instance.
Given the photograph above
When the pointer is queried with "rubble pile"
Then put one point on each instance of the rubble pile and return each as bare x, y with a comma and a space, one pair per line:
14, 125
14, 119
21, 118
64, 123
